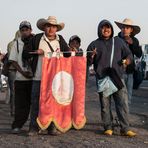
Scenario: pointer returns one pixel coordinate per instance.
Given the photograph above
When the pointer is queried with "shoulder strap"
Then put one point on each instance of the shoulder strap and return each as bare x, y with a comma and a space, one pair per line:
63, 44
112, 53
49, 46
36, 41
17, 46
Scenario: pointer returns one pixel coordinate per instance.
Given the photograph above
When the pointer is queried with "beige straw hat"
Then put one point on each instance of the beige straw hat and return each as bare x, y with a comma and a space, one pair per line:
129, 22
50, 20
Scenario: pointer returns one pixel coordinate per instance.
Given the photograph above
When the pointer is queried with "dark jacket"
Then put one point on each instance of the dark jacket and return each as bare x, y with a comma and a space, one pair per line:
101, 60
136, 51
34, 45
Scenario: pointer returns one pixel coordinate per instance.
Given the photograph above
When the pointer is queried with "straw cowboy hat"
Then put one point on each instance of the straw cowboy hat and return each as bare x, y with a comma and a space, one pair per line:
50, 20
129, 22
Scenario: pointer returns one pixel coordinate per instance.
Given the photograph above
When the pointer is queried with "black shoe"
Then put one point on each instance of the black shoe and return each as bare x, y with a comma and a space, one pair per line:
52, 130
43, 132
16, 131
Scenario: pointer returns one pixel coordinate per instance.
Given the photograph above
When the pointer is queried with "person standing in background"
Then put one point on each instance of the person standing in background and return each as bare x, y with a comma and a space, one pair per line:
128, 32
74, 44
11, 74
23, 81
1, 57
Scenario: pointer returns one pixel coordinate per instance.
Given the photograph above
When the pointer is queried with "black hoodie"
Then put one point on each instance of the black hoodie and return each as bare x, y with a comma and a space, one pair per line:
136, 51
101, 60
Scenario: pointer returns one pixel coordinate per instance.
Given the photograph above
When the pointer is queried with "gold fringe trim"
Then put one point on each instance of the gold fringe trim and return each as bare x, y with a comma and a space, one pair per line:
63, 130
80, 126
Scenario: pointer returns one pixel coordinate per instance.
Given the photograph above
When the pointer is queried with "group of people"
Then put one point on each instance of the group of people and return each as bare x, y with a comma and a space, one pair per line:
27, 50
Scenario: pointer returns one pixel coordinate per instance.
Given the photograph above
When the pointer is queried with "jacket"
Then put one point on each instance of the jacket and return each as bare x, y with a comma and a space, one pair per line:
34, 45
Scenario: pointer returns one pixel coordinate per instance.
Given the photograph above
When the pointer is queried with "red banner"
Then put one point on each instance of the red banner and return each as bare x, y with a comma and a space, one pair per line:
62, 96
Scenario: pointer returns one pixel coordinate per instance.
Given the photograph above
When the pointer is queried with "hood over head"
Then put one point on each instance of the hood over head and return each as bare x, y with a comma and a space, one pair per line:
101, 24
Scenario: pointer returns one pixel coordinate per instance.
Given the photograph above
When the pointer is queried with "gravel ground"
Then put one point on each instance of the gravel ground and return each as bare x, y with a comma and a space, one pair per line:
91, 135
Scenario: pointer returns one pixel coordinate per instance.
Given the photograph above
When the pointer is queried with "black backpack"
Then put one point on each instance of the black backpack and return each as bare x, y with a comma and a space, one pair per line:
7, 63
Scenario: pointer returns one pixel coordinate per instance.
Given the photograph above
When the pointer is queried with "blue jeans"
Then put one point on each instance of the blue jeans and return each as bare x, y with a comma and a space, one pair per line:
121, 104
35, 96
128, 78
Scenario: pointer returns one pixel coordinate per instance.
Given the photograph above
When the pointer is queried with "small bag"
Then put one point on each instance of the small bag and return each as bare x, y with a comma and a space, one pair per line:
106, 85
112, 73
7, 63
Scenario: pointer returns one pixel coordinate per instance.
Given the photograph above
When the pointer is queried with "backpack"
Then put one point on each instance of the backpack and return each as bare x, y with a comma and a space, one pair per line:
7, 63
137, 78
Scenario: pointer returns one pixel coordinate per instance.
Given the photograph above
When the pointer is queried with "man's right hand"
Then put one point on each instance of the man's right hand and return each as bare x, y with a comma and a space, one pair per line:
39, 52
27, 74
94, 53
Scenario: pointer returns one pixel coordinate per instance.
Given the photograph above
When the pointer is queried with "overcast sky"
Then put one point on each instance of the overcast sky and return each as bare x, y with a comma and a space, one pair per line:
81, 17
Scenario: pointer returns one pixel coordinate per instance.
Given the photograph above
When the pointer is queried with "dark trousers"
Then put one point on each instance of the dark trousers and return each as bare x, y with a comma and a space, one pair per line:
11, 80
22, 103
121, 103
35, 96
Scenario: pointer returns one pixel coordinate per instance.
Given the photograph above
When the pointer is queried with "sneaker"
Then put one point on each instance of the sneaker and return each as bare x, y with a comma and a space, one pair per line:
108, 132
129, 134
16, 131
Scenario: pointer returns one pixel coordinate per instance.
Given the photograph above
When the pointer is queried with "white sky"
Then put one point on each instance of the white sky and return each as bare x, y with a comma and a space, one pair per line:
81, 17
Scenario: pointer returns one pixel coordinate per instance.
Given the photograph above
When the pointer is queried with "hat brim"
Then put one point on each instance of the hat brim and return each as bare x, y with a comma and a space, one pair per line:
41, 24
136, 29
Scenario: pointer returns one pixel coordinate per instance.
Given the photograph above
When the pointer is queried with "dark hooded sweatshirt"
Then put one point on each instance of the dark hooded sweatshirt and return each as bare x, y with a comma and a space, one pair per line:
101, 60
136, 51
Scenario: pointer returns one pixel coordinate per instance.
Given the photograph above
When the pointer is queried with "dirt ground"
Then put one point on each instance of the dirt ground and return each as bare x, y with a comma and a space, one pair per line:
91, 135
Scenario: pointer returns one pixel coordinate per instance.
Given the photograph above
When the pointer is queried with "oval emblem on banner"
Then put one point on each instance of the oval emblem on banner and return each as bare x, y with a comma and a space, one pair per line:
63, 87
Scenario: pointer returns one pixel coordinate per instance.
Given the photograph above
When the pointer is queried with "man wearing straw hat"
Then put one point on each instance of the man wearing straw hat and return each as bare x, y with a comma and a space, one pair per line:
128, 32
42, 45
